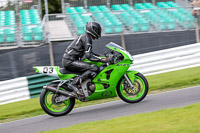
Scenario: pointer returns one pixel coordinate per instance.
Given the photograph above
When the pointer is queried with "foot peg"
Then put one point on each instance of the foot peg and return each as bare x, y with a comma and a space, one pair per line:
74, 88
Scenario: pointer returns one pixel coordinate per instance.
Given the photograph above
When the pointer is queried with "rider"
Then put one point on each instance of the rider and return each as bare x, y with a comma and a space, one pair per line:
82, 46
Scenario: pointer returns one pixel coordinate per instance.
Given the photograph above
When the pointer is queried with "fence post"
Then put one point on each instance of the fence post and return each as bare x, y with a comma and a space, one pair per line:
197, 29
131, 2
63, 6
85, 4
40, 8
123, 38
153, 1
19, 34
48, 40
51, 54
47, 19
108, 3
46, 9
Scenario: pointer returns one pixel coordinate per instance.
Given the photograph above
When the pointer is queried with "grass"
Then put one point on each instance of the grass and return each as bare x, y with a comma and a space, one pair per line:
158, 83
177, 120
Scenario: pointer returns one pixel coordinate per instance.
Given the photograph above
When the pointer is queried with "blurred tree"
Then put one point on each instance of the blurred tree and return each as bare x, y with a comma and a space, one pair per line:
54, 6
9, 6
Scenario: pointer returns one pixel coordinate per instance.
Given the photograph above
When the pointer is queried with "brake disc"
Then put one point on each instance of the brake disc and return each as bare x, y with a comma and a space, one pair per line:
133, 91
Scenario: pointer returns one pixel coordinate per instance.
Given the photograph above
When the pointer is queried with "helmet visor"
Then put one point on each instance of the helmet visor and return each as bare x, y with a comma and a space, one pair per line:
97, 30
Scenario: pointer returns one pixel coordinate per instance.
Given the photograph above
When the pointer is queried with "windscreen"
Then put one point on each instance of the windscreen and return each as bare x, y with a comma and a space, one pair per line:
111, 44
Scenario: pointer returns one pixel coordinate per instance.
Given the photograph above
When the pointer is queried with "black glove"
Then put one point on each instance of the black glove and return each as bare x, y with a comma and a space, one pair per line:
106, 60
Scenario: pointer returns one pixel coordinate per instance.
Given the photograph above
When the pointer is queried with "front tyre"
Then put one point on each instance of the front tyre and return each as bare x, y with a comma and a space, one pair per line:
133, 95
50, 104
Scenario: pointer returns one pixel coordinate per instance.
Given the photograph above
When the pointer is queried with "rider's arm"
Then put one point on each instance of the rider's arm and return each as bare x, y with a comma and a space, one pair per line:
90, 55
95, 54
87, 45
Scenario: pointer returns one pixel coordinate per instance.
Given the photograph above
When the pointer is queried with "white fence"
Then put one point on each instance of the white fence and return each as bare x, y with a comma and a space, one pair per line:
14, 90
168, 60
148, 64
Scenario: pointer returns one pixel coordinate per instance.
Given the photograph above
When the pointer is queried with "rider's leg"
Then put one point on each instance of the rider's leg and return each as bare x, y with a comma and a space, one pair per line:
89, 71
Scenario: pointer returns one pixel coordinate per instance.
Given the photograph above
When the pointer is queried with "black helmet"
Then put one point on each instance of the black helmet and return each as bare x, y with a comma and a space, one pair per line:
94, 29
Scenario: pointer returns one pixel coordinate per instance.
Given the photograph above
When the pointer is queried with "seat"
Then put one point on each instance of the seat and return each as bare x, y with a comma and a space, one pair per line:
80, 9
70, 10
27, 37
136, 26
117, 7
65, 71
38, 37
94, 8
1, 36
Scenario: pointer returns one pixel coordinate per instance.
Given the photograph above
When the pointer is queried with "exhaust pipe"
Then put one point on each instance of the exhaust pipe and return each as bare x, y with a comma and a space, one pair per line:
55, 90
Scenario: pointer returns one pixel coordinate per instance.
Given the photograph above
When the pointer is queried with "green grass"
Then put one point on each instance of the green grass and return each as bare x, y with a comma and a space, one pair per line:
158, 83
177, 120
176, 79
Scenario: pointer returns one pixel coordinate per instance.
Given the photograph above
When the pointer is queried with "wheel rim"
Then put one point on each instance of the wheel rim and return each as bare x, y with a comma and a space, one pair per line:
138, 92
55, 107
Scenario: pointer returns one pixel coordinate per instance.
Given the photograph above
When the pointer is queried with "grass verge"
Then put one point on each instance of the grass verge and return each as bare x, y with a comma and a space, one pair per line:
177, 120
158, 83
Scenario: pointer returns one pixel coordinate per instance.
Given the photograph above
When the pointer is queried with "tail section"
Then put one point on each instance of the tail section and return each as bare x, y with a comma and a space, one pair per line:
47, 70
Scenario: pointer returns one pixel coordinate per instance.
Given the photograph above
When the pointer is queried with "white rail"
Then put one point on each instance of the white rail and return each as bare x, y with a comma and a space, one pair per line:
167, 60
14, 90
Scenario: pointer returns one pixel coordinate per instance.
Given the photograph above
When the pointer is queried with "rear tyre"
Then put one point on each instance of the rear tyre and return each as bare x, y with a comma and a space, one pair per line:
49, 103
133, 96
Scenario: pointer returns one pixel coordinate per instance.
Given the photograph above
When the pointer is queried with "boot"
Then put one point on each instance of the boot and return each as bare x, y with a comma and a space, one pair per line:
74, 86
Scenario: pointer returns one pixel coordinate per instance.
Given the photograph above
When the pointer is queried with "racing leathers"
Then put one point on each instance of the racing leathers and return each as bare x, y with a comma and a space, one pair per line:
80, 47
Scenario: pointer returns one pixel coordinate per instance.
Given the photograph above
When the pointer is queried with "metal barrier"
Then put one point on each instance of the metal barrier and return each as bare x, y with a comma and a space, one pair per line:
14, 90
36, 83
23, 88
21, 29
129, 21
168, 60
108, 3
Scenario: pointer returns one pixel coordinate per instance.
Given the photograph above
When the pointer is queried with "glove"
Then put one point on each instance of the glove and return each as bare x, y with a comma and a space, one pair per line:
106, 60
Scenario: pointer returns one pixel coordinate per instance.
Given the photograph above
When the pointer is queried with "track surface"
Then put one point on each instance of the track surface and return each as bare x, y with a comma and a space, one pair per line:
154, 102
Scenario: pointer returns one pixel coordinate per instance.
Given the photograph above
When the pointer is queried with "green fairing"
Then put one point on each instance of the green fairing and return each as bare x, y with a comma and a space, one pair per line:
115, 76
131, 75
36, 70
92, 62
58, 74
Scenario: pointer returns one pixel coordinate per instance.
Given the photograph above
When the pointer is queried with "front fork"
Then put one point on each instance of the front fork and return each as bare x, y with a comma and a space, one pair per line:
129, 81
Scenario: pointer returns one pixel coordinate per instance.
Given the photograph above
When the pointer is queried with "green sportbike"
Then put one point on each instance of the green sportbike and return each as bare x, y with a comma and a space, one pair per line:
114, 79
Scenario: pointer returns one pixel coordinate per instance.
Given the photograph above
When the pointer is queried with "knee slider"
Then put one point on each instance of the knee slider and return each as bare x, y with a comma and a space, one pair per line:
94, 68
93, 74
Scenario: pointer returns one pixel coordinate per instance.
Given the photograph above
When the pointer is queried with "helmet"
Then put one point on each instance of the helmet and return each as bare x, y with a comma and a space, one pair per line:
94, 29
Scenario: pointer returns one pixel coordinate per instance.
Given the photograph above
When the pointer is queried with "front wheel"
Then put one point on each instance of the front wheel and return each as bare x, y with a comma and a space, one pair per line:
135, 95
54, 104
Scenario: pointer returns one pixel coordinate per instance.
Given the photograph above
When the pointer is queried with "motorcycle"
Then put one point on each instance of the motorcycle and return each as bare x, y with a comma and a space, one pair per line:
114, 79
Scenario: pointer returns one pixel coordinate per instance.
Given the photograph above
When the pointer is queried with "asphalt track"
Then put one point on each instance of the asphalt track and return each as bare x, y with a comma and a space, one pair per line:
154, 102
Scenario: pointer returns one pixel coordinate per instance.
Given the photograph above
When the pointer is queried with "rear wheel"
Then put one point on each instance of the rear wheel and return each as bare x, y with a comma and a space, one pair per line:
129, 95
54, 104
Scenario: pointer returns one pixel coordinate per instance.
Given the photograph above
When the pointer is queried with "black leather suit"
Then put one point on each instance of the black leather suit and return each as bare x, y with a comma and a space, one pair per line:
79, 48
